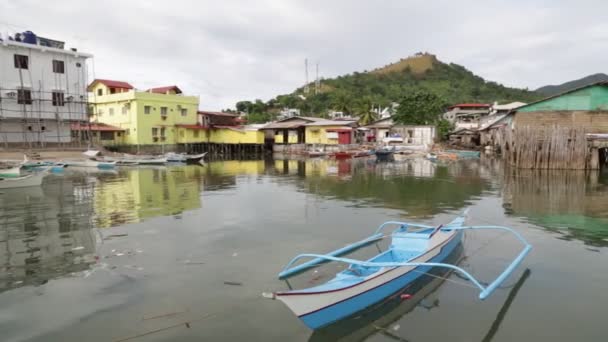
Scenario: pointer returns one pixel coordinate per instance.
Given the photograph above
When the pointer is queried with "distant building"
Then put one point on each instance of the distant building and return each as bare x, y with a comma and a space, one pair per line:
466, 115
42, 90
286, 113
339, 115
410, 134
312, 130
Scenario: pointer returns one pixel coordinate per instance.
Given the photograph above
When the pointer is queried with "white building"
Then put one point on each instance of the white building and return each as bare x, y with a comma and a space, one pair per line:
288, 113
42, 90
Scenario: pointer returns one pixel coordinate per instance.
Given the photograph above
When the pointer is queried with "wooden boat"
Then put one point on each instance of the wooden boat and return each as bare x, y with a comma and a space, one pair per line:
361, 154
91, 163
315, 154
385, 154
342, 155
33, 179
185, 158
150, 161
414, 251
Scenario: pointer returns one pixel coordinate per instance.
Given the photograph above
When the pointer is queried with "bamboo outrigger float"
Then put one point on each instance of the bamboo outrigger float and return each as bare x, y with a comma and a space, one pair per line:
415, 249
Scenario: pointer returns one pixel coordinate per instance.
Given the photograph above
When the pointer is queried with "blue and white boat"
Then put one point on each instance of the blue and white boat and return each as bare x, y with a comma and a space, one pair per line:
415, 250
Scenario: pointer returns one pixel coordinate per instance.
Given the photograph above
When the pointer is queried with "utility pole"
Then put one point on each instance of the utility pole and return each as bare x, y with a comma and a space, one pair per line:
317, 81
306, 87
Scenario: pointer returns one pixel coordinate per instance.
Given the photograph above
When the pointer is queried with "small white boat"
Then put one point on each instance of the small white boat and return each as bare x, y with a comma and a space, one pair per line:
184, 158
91, 163
33, 179
12, 172
149, 161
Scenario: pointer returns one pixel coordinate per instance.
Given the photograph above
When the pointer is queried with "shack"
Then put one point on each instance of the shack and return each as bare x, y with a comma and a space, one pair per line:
564, 131
465, 137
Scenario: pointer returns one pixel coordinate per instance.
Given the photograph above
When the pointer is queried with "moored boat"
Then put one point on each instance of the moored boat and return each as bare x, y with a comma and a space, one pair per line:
11, 172
414, 251
32, 179
342, 155
91, 163
385, 154
185, 158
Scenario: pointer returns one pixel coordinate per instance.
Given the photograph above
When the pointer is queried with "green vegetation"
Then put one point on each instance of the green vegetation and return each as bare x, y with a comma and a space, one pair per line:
381, 87
423, 108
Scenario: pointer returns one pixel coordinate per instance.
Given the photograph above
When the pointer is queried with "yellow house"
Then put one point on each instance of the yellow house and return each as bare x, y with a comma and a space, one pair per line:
291, 130
148, 117
330, 132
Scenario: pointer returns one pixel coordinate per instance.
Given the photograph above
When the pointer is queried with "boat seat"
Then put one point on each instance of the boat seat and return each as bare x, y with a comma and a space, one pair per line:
362, 271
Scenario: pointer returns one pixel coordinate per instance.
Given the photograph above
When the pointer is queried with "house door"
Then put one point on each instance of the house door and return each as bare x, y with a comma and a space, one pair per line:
343, 138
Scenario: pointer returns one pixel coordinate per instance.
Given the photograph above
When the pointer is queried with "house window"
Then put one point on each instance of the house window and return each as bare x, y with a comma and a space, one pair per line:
124, 110
58, 67
24, 96
100, 92
181, 133
111, 111
112, 90
58, 100
127, 131
162, 132
154, 131
21, 61
147, 109
99, 112
184, 111
106, 135
163, 111
195, 133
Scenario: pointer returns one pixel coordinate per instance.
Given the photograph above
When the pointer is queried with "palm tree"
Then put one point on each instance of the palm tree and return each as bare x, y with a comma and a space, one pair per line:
341, 103
365, 112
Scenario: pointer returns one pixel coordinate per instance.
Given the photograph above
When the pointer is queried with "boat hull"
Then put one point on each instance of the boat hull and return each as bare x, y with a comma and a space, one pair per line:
34, 179
317, 310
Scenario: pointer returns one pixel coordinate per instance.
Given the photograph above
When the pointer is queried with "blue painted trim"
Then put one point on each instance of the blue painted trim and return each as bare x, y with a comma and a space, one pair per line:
287, 271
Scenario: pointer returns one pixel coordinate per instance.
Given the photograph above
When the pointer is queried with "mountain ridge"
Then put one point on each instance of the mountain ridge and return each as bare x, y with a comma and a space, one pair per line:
554, 89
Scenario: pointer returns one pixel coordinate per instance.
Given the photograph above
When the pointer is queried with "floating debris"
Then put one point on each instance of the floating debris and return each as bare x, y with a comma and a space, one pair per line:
234, 283
268, 295
169, 314
396, 327
78, 248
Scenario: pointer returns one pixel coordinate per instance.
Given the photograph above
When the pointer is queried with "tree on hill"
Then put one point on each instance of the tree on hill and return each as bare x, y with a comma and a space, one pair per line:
365, 111
423, 108
342, 103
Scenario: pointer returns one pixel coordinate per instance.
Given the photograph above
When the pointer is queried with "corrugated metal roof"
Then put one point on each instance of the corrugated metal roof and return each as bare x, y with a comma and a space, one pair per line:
217, 113
331, 123
470, 105
164, 90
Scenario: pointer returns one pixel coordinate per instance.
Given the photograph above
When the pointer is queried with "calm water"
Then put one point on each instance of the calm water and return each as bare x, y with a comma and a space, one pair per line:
104, 256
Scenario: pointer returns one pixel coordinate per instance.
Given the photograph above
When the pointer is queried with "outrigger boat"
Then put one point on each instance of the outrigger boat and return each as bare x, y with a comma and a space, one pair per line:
415, 250
185, 158
32, 179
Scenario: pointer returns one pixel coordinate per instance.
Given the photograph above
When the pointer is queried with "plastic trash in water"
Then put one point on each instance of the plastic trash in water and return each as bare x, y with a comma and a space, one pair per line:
78, 248
268, 295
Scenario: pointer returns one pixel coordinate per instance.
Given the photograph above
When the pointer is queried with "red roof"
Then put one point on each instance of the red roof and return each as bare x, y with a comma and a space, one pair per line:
164, 90
470, 105
95, 127
217, 113
110, 83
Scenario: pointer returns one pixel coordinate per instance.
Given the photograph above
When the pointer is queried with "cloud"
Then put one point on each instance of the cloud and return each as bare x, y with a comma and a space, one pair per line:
231, 50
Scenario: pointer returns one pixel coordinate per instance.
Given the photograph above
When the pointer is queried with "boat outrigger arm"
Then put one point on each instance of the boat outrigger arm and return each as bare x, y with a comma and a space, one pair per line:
486, 291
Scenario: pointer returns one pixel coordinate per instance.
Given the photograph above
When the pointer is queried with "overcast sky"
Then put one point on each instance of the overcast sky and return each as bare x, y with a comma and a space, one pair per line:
230, 50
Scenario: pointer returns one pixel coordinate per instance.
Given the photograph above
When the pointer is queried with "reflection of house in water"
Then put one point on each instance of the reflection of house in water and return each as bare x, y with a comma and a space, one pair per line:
573, 202
45, 233
147, 192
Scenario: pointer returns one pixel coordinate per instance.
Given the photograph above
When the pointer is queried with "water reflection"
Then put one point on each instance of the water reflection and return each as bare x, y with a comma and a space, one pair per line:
572, 203
45, 233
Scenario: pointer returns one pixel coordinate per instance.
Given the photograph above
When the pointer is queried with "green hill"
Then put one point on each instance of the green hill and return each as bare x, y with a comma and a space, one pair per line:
452, 82
551, 90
